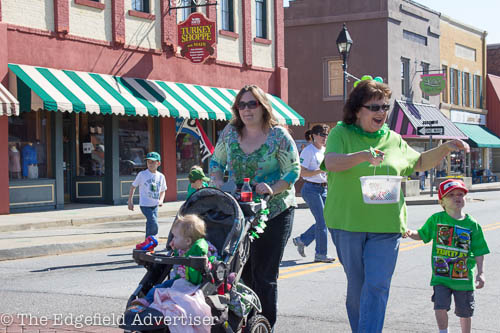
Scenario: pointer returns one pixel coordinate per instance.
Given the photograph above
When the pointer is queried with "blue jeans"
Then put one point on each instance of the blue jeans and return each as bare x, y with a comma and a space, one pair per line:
315, 196
369, 260
151, 293
151, 214
262, 268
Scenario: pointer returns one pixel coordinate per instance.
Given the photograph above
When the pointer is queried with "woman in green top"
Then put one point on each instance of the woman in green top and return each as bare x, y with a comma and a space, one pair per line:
367, 236
252, 146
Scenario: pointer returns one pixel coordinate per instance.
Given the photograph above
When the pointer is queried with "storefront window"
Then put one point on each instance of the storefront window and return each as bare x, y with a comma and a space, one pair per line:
188, 152
457, 162
90, 143
476, 159
135, 142
28, 153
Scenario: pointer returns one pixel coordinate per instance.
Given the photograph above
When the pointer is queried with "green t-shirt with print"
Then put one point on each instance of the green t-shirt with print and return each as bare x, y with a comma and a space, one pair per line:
344, 207
455, 246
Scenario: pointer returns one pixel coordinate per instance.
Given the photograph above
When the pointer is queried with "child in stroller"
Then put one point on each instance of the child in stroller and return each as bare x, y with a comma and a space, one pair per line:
230, 227
188, 239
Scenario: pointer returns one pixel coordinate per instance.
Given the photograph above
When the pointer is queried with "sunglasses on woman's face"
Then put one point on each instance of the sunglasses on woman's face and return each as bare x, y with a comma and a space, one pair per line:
324, 135
250, 104
377, 107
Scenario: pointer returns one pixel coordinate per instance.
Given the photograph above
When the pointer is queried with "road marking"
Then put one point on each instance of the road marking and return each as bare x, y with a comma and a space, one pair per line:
312, 270
317, 267
299, 267
491, 226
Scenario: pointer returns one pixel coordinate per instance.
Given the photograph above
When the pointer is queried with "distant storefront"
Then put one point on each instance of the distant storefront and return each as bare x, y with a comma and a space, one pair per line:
90, 132
407, 117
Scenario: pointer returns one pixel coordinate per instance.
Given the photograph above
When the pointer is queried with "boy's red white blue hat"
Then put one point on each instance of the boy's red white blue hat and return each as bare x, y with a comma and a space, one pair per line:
449, 185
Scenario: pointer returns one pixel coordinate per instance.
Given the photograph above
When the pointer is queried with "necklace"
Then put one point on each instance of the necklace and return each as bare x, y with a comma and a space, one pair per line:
380, 133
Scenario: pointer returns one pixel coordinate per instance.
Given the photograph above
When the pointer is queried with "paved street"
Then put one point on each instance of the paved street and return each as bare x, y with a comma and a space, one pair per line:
93, 286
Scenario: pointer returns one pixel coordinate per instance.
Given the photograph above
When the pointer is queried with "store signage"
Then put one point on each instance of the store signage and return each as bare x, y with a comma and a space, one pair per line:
432, 84
196, 37
467, 117
430, 130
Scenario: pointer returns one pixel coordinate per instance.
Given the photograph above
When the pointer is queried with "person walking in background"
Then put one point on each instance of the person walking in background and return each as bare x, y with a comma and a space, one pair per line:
458, 244
253, 146
197, 180
367, 236
314, 194
152, 187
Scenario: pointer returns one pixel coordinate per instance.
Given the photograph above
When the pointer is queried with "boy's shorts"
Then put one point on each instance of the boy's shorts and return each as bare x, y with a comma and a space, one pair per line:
464, 300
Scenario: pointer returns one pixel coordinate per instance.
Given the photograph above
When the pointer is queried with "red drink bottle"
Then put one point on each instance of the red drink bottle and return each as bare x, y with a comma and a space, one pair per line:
246, 190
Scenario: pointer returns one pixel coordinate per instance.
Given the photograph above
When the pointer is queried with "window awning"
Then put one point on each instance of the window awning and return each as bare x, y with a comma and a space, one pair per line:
72, 91
407, 116
479, 136
9, 106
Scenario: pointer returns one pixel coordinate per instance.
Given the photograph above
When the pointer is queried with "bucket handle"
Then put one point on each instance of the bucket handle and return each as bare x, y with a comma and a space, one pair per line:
375, 154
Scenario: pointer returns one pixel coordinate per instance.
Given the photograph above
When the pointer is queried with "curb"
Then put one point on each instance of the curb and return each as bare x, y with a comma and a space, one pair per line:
78, 221
57, 249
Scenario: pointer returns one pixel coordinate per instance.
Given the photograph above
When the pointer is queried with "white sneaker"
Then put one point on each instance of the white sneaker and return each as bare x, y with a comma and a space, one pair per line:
323, 258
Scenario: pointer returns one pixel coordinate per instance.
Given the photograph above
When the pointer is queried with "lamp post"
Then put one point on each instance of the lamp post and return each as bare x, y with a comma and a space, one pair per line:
344, 43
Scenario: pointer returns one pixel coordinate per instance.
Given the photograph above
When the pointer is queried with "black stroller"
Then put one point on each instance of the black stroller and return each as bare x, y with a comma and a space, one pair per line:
230, 225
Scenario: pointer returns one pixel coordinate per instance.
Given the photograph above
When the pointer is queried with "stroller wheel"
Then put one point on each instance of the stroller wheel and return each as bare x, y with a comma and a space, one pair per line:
258, 324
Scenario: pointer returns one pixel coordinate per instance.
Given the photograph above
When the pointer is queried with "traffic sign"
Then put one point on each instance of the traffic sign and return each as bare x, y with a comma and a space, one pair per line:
429, 122
430, 130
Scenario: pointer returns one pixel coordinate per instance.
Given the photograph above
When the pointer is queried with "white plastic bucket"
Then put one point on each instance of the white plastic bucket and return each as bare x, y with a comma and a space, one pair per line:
381, 189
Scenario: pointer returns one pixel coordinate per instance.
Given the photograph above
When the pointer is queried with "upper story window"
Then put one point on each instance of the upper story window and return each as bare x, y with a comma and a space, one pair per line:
478, 93
334, 78
190, 8
405, 77
141, 6
466, 91
415, 37
260, 18
425, 70
454, 88
465, 52
445, 91
227, 15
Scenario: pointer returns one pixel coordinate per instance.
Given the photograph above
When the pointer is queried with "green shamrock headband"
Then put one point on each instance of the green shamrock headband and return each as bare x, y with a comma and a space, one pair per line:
369, 77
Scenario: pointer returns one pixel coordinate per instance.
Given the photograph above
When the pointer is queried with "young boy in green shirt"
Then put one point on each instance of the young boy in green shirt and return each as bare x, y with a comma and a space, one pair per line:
458, 247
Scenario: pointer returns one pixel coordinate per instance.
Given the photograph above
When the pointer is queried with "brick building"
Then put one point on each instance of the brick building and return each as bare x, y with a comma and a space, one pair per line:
102, 82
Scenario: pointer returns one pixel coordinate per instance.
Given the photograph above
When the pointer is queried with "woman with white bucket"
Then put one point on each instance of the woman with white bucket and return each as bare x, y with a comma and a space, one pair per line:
367, 227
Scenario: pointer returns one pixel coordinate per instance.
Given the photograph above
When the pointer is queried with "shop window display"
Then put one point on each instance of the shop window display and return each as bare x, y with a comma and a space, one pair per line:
135, 142
188, 152
27, 150
457, 162
90, 157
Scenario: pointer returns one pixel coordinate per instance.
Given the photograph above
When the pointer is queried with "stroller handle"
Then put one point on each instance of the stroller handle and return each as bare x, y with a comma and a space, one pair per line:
198, 263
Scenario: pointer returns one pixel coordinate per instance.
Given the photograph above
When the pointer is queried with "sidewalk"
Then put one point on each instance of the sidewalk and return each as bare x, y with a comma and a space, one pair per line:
81, 227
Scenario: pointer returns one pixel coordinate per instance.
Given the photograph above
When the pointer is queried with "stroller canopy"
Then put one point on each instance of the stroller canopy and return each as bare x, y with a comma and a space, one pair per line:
223, 218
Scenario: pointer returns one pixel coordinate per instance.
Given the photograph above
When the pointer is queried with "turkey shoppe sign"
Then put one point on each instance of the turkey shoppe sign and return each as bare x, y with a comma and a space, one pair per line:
196, 37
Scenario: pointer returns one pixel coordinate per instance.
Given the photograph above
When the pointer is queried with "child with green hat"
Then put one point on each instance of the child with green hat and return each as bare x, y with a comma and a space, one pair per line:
197, 180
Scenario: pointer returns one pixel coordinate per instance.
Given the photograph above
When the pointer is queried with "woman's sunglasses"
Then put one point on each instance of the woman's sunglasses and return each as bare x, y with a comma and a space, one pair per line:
324, 135
377, 107
250, 104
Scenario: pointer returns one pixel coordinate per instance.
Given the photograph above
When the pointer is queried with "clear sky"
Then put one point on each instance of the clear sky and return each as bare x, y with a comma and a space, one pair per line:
480, 14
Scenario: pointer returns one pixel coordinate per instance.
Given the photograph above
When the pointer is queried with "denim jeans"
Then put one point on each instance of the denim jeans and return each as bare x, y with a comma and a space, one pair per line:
151, 214
369, 260
262, 268
315, 196
151, 293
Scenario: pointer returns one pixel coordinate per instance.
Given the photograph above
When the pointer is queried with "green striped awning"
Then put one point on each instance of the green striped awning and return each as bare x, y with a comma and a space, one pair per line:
479, 136
72, 91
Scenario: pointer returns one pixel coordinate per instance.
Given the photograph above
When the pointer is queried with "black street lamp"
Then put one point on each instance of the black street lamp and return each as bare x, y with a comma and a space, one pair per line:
344, 43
